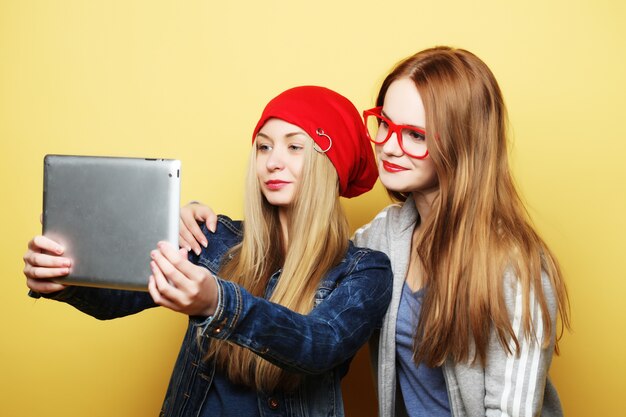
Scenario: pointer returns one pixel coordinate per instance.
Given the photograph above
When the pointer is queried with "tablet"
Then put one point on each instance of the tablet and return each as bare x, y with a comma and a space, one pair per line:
109, 213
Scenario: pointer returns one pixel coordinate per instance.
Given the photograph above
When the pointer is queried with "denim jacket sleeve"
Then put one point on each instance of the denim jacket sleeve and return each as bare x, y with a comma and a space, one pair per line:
316, 342
103, 304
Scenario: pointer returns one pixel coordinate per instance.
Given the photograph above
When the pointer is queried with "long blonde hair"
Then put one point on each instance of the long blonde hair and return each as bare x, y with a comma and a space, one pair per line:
318, 240
478, 226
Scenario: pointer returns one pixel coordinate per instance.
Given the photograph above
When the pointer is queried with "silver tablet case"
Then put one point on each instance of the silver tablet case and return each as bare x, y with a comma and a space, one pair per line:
109, 213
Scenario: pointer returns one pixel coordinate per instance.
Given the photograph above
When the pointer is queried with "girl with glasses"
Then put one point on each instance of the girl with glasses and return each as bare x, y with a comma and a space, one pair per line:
473, 320
277, 308
477, 294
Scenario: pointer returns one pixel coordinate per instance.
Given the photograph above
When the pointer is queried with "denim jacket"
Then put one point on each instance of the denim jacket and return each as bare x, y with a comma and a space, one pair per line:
349, 305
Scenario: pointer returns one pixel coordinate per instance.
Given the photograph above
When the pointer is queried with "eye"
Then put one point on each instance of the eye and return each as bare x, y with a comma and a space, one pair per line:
296, 147
382, 123
416, 135
263, 147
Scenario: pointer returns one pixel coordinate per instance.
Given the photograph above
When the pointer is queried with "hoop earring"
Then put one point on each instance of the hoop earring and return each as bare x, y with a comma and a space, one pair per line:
320, 132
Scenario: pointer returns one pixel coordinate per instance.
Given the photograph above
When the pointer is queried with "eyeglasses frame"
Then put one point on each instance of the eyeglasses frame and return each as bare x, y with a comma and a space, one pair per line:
393, 128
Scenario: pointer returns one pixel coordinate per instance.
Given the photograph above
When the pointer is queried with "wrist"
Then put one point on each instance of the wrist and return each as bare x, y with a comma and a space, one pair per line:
213, 291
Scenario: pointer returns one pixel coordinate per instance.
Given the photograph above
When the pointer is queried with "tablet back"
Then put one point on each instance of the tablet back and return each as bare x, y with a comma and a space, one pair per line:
109, 213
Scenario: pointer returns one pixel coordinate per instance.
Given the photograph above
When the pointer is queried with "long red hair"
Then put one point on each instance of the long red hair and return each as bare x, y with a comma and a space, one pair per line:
478, 226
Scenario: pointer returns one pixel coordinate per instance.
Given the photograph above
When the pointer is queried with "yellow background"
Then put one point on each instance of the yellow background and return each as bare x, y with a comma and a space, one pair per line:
187, 80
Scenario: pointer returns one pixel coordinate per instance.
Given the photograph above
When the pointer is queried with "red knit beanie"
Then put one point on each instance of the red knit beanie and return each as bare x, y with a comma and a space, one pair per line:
336, 127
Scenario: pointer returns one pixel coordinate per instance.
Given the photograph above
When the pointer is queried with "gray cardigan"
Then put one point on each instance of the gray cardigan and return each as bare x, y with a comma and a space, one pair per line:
508, 385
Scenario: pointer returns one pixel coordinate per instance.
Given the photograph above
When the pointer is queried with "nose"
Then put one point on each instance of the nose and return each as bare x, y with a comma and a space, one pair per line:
392, 146
275, 160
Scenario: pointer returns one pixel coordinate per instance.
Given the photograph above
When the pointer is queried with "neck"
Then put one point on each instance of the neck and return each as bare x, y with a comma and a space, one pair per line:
283, 217
424, 202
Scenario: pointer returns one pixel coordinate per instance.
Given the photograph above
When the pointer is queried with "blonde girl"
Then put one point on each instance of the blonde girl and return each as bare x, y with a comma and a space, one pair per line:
276, 308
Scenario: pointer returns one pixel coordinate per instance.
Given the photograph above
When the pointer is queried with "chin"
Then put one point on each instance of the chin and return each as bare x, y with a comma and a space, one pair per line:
395, 185
278, 202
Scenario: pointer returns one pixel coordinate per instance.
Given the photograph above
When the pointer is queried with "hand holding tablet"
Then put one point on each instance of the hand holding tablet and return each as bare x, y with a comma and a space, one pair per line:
107, 213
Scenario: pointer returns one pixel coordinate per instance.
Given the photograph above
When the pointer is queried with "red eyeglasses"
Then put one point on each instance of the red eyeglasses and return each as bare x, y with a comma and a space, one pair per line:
412, 139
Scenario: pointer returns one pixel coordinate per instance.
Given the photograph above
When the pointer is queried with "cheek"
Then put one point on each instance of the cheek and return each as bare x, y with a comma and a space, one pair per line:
378, 150
296, 168
428, 168
260, 165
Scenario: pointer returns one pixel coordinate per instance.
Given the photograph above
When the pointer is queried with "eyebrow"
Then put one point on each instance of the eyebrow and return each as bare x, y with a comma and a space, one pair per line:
288, 135
416, 126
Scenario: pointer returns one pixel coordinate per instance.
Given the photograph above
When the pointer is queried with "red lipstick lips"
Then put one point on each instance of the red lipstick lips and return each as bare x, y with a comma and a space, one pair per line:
276, 185
389, 167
